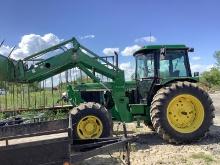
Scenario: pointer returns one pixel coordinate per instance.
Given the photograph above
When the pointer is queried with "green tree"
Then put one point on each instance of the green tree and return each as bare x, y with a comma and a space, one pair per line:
217, 57
211, 78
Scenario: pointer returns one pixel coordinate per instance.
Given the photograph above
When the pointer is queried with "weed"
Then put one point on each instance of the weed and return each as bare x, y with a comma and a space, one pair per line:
201, 155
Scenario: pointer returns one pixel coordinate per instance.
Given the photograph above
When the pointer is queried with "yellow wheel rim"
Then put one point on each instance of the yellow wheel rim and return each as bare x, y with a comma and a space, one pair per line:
89, 127
185, 113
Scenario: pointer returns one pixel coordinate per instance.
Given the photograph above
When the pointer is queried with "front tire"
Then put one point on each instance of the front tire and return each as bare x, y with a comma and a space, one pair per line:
182, 112
90, 121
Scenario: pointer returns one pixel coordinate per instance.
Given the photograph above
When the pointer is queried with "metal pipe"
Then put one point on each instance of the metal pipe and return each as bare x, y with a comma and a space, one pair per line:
116, 58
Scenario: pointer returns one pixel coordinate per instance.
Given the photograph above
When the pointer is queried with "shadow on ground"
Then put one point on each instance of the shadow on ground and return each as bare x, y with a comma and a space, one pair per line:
213, 136
122, 132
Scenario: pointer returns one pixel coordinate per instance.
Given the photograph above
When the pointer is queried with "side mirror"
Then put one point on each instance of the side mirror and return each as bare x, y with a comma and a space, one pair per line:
196, 74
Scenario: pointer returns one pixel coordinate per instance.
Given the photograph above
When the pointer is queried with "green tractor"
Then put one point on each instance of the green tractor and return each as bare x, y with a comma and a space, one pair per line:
164, 94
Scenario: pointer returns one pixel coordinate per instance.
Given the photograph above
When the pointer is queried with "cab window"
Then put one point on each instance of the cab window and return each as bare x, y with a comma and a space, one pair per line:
173, 64
145, 65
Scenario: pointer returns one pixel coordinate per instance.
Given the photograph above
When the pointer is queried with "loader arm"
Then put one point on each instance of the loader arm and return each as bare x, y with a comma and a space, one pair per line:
77, 56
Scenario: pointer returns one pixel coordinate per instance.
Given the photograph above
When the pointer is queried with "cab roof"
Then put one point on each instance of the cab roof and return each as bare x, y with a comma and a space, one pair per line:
155, 47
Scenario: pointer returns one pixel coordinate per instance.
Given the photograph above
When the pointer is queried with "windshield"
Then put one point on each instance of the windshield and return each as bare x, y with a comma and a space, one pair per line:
145, 65
173, 64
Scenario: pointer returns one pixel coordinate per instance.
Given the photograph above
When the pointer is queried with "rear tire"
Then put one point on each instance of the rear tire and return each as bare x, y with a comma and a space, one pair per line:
182, 112
90, 121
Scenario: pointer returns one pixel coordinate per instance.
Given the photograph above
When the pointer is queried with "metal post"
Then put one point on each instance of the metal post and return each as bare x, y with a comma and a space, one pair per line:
80, 75
28, 96
127, 147
44, 94
13, 95
52, 90
6, 141
40, 93
6, 101
116, 59
17, 95
23, 97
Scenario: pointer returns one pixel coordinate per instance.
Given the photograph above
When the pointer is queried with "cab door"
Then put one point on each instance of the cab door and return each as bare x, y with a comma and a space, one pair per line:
145, 74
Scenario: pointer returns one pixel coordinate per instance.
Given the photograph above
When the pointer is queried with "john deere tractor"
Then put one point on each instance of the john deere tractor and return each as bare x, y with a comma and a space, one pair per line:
164, 94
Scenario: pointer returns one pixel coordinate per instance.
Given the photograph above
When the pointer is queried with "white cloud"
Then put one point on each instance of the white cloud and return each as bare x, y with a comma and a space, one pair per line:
128, 51
146, 39
5, 50
30, 44
195, 58
110, 51
200, 67
90, 36
128, 68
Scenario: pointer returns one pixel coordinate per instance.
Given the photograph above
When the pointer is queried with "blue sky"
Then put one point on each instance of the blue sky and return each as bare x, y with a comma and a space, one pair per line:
118, 23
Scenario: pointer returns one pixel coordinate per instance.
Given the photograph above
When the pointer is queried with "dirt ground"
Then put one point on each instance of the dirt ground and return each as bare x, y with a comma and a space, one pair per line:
150, 149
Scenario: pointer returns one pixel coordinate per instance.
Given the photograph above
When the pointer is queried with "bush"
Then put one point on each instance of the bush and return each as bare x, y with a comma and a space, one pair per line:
211, 78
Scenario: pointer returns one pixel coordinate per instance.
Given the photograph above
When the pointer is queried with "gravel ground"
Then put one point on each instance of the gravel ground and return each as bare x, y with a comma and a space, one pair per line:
150, 149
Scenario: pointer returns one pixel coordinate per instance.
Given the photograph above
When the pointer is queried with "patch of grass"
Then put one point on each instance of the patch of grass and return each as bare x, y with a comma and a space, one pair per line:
33, 100
201, 155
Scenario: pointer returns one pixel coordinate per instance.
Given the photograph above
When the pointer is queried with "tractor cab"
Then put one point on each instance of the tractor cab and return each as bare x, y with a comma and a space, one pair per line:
158, 64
